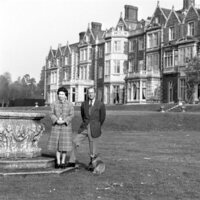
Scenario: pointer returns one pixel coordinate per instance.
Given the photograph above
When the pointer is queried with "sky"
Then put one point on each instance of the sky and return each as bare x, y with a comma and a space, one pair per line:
28, 28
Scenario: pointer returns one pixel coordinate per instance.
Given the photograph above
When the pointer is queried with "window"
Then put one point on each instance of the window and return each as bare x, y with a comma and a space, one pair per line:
140, 44
125, 47
73, 94
136, 90
131, 45
83, 72
129, 91
53, 77
90, 54
191, 29
176, 58
49, 64
67, 74
153, 62
57, 62
143, 90
85, 54
81, 55
125, 66
100, 52
141, 65
152, 40
155, 39
131, 66
171, 33
108, 47
85, 94
116, 66
66, 61
170, 91
156, 20
182, 89
185, 54
107, 68
116, 91
90, 76
100, 72
120, 28
117, 46
168, 58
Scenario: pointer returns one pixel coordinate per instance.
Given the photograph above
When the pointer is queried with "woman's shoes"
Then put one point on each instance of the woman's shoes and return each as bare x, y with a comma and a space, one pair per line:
60, 166
57, 166
64, 165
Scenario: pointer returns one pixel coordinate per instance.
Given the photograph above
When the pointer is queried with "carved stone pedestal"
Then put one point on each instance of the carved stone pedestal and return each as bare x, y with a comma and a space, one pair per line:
19, 134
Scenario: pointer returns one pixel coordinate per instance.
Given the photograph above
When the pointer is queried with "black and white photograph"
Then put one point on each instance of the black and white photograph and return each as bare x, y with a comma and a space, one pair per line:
99, 100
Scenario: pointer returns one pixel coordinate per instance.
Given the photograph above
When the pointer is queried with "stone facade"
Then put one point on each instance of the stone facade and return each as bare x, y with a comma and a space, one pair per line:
137, 61
181, 44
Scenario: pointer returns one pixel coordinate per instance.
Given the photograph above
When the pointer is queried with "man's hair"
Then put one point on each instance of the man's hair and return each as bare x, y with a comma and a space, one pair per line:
62, 89
91, 87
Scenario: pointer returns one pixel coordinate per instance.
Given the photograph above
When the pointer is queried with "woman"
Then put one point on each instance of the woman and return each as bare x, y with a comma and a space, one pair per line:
60, 140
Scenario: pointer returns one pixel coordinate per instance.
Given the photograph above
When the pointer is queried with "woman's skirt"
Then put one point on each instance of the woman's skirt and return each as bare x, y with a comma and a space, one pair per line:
60, 138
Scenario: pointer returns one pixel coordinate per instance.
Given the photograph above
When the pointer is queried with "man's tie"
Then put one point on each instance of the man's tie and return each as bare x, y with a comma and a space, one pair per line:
90, 106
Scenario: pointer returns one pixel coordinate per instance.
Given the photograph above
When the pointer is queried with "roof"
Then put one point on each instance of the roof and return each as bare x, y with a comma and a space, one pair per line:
166, 11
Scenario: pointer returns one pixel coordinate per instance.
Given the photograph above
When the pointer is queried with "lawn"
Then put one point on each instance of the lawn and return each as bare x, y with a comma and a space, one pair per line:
148, 156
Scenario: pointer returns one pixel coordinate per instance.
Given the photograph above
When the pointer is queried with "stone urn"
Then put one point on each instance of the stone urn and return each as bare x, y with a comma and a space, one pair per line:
20, 133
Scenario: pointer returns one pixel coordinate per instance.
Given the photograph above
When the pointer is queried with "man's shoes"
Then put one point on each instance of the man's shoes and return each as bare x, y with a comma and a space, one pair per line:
62, 165
68, 165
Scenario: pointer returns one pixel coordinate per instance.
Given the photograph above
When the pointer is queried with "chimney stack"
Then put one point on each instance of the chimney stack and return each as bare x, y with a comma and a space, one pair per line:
187, 4
81, 35
96, 26
131, 13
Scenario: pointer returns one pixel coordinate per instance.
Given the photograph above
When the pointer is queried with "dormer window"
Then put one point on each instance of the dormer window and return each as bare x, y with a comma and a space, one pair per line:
190, 29
58, 62
87, 38
49, 64
156, 20
171, 33
120, 28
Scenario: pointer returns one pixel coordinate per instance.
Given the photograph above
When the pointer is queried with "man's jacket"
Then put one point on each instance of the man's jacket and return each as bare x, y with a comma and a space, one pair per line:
95, 118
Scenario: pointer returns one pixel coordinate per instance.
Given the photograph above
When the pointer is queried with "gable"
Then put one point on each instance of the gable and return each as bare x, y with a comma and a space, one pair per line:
51, 54
88, 37
172, 20
66, 50
158, 17
121, 24
58, 53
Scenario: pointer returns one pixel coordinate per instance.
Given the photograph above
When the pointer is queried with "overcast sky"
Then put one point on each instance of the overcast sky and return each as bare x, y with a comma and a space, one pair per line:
30, 27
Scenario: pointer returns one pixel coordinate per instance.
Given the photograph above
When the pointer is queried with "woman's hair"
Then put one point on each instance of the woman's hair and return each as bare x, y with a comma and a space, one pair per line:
62, 89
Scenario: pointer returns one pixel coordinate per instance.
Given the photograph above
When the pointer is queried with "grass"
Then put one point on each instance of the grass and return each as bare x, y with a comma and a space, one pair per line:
148, 156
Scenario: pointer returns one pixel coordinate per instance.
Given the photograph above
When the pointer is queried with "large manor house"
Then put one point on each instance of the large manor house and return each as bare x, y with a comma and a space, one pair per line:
137, 61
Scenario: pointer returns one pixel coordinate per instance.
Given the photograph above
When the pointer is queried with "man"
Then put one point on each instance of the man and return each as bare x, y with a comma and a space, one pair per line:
93, 115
